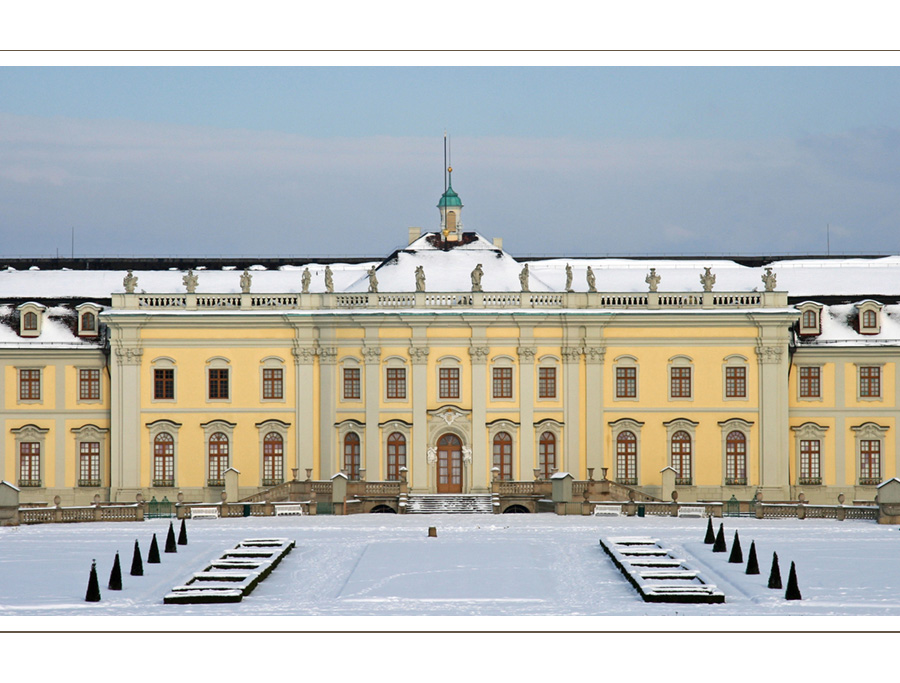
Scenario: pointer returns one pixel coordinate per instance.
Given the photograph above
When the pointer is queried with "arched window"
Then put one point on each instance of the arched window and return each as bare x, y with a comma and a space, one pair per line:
164, 460
869, 319
396, 455
736, 458
88, 322
626, 458
351, 455
503, 455
218, 459
681, 457
273, 459
547, 454
29, 322
810, 319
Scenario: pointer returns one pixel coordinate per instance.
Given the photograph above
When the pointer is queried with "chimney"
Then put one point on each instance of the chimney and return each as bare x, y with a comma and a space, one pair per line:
414, 234
498, 242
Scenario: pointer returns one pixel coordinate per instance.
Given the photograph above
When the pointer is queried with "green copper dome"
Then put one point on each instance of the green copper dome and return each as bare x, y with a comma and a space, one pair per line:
449, 198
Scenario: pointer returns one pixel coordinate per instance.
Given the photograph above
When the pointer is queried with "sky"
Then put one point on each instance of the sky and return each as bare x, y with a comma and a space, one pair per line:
312, 161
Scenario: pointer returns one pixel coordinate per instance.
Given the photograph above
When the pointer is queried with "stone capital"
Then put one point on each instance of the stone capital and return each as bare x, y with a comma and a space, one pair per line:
571, 354
371, 354
769, 353
304, 354
479, 354
594, 354
418, 355
526, 354
327, 355
129, 355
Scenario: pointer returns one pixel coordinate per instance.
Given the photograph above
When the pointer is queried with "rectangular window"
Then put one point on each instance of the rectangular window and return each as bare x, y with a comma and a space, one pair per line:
396, 383
89, 464
218, 383
29, 385
448, 386
29, 463
870, 382
163, 384
503, 383
273, 383
626, 382
736, 382
89, 385
810, 383
869, 462
681, 382
810, 473
547, 382
351, 383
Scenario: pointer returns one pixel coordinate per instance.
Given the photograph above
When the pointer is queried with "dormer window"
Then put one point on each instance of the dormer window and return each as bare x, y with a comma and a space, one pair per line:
30, 319
810, 319
869, 317
88, 322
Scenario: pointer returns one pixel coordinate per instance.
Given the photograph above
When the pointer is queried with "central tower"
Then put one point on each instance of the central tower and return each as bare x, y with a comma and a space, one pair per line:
450, 207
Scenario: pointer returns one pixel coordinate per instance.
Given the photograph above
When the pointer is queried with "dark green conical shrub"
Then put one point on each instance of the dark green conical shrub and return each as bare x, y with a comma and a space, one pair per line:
710, 534
137, 564
775, 573
737, 555
153, 555
170, 540
93, 589
793, 590
719, 545
115, 576
182, 535
752, 564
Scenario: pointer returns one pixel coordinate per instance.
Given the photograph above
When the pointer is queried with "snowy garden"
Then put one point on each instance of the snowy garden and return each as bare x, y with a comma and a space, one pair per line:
476, 565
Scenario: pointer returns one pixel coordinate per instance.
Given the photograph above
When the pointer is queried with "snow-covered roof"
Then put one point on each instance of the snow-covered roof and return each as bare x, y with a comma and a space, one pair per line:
839, 326
58, 330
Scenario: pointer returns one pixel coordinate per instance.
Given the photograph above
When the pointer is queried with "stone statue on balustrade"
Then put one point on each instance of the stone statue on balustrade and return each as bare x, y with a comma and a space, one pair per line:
305, 279
653, 280
130, 282
329, 280
523, 278
246, 279
190, 281
477, 274
420, 279
373, 281
591, 280
768, 279
707, 280
569, 278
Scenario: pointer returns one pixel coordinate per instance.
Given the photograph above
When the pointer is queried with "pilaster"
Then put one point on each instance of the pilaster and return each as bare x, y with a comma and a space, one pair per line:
570, 460
526, 411
372, 359
125, 414
774, 432
479, 353
304, 417
593, 398
327, 398
416, 460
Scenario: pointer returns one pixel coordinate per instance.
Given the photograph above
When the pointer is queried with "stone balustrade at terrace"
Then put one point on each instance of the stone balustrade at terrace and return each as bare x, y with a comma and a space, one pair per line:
387, 301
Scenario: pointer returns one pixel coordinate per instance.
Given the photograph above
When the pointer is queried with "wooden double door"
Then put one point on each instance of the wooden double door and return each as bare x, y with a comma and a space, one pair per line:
449, 464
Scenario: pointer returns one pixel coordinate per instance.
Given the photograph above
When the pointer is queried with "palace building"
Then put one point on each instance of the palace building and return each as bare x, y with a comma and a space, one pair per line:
450, 364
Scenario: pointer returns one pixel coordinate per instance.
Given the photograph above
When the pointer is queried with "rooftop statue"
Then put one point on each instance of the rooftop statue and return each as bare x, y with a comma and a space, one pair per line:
373, 280
523, 278
190, 281
305, 280
329, 280
707, 280
569, 278
420, 279
653, 280
477, 274
769, 279
591, 280
130, 282
246, 279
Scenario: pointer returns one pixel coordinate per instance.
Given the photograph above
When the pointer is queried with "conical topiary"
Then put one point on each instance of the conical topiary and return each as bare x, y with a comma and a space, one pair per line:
137, 564
153, 555
719, 545
170, 540
752, 564
93, 589
710, 534
737, 555
793, 590
115, 576
775, 574
182, 535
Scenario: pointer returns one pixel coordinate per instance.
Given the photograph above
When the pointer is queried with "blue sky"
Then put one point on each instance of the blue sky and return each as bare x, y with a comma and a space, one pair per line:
556, 160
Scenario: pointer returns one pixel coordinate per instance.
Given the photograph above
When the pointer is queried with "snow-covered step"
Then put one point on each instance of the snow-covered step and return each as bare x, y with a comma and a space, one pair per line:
449, 503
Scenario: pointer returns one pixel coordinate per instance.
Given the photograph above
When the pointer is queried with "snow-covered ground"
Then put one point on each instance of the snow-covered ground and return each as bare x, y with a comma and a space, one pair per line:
479, 565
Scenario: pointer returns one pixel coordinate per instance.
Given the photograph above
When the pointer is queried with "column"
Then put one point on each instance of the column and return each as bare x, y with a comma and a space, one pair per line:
774, 432
526, 414
417, 459
372, 359
571, 455
479, 355
125, 419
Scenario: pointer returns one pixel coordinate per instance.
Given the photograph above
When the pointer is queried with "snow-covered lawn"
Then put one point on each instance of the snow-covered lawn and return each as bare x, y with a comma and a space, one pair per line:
479, 565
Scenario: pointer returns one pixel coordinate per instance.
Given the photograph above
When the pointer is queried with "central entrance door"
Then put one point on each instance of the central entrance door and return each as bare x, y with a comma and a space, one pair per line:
449, 464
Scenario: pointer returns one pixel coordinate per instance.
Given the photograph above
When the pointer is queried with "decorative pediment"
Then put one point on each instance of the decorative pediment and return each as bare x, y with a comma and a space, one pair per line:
809, 431
29, 432
870, 431
90, 432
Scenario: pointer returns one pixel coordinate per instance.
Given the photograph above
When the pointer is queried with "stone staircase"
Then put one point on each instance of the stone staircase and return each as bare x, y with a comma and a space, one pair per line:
449, 504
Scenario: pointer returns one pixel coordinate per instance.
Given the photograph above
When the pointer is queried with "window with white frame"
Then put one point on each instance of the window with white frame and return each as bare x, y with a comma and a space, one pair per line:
626, 435
89, 384
810, 318
809, 440
626, 378
869, 317
809, 382
869, 449
869, 382
735, 378
681, 379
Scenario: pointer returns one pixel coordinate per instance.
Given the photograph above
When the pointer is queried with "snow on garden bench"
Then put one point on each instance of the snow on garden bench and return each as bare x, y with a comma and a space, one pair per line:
204, 513
291, 509
691, 511
608, 510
